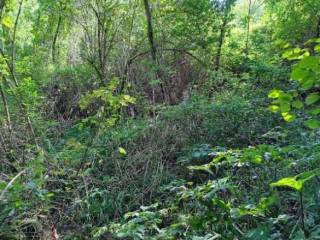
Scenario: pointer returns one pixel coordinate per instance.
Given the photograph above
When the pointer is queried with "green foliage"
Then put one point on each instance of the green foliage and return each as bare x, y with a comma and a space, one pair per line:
197, 209
306, 73
102, 139
296, 182
111, 103
23, 199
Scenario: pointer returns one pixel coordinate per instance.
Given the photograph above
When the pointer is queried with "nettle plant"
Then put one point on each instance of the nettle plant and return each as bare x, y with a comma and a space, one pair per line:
305, 97
302, 101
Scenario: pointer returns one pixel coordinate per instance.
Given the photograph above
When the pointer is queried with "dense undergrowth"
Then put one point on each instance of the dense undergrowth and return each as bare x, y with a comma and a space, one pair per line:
159, 120
203, 169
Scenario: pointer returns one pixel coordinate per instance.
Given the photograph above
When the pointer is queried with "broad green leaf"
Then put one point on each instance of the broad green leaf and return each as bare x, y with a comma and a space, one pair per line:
285, 97
292, 53
313, 40
307, 83
285, 107
298, 73
310, 62
312, 98
7, 22
288, 117
275, 93
274, 108
297, 182
288, 182
312, 123
315, 111
297, 104
122, 151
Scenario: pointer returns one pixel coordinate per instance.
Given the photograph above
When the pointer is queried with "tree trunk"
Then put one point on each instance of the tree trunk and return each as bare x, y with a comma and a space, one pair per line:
246, 51
220, 43
318, 29
6, 108
153, 48
13, 42
150, 31
55, 38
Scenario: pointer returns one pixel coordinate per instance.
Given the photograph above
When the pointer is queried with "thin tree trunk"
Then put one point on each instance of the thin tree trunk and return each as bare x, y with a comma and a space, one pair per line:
55, 38
2, 5
150, 31
248, 28
153, 48
24, 111
13, 42
318, 29
11, 67
220, 43
3, 143
6, 108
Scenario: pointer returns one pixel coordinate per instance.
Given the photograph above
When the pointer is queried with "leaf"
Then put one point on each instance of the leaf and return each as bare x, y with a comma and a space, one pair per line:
297, 104
307, 83
315, 111
295, 54
298, 73
312, 123
310, 62
205, 167
285, 107
288, 182
275, 93
313, 40
285, 97
126, 100
7, 22
122, 151
312, 98
274, 108
297, 182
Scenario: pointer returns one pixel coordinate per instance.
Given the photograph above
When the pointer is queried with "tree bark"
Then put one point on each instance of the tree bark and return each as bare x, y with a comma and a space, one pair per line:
150, 31
248, 29
13, 42
153, 48
220, 43
6, 108
55, 38
318, 29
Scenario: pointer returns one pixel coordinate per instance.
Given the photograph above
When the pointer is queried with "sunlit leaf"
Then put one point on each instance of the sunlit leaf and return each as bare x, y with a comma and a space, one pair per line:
275, 93
297, 182
7, 22
274, 108
122, 151
288, 117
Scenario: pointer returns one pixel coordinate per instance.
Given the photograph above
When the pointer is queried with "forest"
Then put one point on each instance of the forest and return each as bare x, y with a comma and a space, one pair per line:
159, 119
